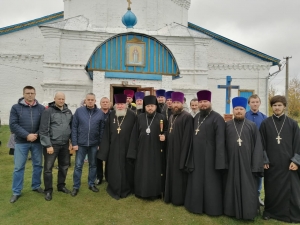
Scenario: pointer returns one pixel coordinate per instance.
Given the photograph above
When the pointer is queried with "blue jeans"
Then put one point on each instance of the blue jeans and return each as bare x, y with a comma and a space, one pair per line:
79, 161
20, 158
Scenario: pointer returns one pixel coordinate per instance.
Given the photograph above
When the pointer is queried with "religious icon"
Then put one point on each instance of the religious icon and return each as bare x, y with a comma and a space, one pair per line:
135, 53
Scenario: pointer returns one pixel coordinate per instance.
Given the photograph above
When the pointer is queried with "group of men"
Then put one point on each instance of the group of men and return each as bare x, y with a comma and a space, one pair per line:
156, 149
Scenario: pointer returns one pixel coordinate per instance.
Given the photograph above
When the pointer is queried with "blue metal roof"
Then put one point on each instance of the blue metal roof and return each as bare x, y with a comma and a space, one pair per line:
116, 55
235, 44
31, 23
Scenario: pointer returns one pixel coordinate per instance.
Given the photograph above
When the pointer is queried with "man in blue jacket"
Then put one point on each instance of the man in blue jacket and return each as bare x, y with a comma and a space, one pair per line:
24, 122
87, 128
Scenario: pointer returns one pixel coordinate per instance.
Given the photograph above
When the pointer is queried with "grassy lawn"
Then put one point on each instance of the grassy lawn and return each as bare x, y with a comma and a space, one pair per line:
88, 207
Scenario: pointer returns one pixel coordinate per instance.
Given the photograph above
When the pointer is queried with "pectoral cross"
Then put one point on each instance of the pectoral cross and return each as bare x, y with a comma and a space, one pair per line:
278, 139
129, 2
197, 131
239, 141
118, 130
171, 128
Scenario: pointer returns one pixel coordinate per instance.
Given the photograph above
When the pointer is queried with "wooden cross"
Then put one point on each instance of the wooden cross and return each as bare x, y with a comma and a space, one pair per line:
129, 3
239, 141
197, 131
278, 139
171, 128
118, 130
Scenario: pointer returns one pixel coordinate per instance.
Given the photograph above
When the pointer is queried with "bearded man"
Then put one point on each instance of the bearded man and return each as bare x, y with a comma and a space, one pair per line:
139, 96
114, 147
179, 139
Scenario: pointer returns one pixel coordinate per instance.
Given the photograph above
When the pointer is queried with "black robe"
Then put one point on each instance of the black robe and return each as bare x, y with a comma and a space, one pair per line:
245, 164
149, 155
205, 185
162, 106
179, 142
167, 113
282, 186
113, 150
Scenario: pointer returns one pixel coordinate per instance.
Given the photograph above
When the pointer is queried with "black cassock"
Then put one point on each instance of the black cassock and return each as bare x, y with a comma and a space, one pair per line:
179, 141
205, 184
113, 150
282, 186
167, 113
245, 164
149, 155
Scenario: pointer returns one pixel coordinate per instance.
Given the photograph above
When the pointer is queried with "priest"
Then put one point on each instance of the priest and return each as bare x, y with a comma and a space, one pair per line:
205, 185
139, 96
179, 140
129, 100
114, 148
147, 151
168, 110
281, 141
245, 164
161, 99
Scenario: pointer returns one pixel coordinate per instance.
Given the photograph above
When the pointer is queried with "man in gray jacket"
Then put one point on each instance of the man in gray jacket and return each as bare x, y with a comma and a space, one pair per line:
55, 132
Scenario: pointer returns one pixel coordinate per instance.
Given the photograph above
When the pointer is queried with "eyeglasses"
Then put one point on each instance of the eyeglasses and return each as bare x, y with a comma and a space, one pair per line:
29, 93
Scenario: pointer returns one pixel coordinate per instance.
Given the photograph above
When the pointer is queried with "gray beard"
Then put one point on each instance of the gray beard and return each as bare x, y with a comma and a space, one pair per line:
139, 106
121, 112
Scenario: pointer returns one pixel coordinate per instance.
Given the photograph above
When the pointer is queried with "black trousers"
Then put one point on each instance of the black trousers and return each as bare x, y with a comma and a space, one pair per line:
61, 152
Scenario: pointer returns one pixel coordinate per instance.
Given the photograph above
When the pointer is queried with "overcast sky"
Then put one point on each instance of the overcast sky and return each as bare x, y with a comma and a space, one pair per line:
269, 26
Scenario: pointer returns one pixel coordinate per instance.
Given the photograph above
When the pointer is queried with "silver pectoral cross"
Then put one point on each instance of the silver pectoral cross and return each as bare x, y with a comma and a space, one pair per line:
278, 139
197, 131
239, 141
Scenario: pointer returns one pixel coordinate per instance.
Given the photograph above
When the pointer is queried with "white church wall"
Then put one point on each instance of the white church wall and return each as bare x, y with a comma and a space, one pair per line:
151, 14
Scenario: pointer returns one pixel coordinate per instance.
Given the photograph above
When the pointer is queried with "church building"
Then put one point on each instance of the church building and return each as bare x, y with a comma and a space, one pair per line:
106, 46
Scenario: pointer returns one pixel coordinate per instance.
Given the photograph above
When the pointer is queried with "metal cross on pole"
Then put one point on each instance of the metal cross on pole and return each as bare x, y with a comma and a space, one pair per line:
228, 88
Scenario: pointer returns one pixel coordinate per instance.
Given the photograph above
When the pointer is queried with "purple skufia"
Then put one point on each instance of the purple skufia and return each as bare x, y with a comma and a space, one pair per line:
139, 95
168, 94
129, 93
160, 92
120, 98
239, 101
204, 95
177, 96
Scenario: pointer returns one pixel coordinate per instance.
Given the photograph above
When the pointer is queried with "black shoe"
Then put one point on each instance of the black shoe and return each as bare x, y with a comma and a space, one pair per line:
39, 190
93, 188
64, 190
261, 202
74, 192
48, 196
14, 198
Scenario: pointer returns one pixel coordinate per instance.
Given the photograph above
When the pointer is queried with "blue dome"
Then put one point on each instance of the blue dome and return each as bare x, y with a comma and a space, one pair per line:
129, 19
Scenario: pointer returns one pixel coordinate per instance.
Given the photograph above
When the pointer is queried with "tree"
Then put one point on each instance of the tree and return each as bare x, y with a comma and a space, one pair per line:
294, 98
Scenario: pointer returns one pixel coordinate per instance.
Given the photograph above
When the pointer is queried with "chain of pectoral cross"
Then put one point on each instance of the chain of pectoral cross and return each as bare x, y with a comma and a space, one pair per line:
278, 133
119, 124
199, 125
172, 122
239, 135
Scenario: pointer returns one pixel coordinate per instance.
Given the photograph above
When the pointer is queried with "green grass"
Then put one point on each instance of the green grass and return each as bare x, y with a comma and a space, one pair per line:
88, 207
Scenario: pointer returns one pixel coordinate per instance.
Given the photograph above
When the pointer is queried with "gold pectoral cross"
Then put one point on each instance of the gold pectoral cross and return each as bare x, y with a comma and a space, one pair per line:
239, 141
278, 139
171, 128
118, 130
129, 3
197, 131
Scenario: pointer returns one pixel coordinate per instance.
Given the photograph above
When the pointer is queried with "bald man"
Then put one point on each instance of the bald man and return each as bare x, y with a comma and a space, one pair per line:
55, 132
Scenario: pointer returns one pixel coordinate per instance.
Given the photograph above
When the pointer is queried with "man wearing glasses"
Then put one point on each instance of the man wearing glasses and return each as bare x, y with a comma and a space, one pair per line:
24, 122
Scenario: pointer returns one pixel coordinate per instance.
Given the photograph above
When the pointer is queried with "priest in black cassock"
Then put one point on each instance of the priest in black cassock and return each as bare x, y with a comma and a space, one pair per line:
205, 184
281, 141
114, 147
161, 99
245, 164
146, 149
179, 140
139, 95
130, 93
168, 110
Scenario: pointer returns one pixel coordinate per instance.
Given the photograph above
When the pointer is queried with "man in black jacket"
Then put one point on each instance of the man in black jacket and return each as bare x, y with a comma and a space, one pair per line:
55, 132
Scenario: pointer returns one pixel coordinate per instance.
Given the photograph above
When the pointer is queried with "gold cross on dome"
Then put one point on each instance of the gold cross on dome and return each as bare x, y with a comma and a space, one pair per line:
129, 3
